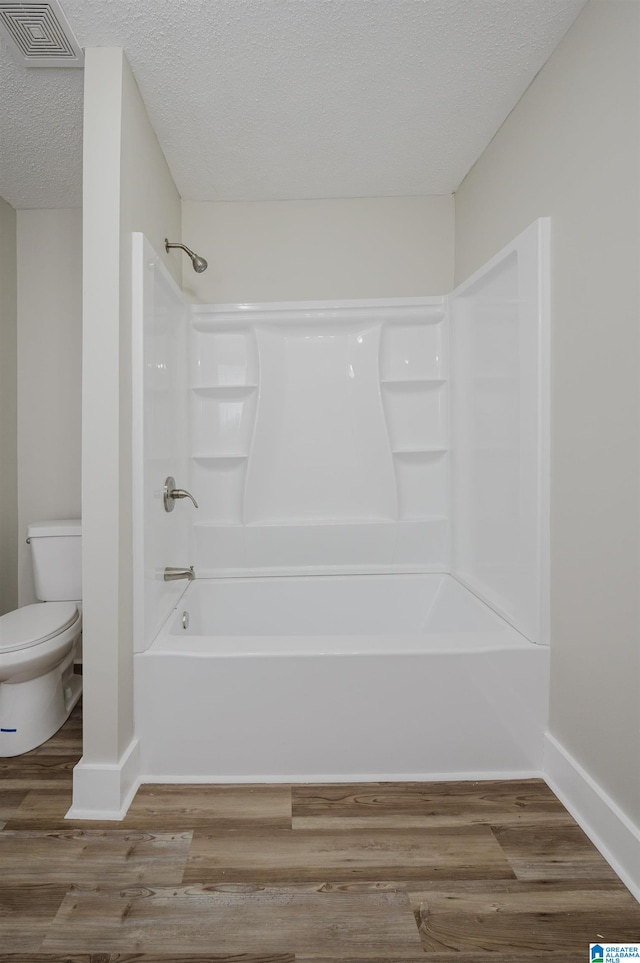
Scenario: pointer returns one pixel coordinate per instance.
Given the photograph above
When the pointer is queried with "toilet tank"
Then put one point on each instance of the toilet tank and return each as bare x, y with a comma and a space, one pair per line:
56, 556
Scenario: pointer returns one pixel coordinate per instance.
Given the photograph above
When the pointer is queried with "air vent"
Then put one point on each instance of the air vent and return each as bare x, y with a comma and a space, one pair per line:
39, 34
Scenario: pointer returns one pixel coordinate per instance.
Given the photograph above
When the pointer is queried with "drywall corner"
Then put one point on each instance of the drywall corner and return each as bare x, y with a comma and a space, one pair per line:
8, 409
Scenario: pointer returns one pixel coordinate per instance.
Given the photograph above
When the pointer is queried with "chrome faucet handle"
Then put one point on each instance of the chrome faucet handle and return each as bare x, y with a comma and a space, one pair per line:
170, 493
182, 493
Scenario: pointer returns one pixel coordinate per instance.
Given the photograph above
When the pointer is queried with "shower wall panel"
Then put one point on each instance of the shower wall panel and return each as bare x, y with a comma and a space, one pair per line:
160, 438
500, 432
319, 436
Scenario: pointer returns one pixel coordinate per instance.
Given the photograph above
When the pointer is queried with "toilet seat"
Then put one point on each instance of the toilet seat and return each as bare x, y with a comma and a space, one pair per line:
33, 624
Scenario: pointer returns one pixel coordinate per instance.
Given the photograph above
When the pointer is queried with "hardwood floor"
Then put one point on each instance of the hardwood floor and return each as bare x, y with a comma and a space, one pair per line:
404, 872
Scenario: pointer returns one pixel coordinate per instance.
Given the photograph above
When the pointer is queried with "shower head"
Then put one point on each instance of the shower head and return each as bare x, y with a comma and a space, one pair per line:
199, 263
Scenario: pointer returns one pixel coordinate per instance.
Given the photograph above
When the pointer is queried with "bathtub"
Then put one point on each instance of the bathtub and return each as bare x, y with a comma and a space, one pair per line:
338, 678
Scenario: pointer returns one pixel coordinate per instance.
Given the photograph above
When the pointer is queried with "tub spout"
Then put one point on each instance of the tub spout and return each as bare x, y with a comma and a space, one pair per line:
172, 574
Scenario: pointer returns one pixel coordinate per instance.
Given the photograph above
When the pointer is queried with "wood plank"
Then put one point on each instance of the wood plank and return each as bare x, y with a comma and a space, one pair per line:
353, 959
169, 808
10, 801
420, 805
27, 911
147, 958
47, 772
544, 916
42, 809
517, 956
520, 931
552, 852
92, 856
311, 855
220, 806
402, 821
541, 896
236, 919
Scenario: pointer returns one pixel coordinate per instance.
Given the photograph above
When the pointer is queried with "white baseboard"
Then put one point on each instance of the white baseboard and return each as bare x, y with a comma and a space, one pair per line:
305, 779
105, 791
608, 828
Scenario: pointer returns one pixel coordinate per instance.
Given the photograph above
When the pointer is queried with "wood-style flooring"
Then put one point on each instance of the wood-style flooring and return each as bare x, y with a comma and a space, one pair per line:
403, 872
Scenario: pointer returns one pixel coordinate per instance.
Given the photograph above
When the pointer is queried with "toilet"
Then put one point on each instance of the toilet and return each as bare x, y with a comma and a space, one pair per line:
38, 643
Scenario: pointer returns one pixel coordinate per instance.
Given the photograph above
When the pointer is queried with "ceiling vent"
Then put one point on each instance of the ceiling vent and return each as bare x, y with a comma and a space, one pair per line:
39, 34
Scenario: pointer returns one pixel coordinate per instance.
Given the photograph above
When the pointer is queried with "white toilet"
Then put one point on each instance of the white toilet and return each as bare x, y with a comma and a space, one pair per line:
38, 643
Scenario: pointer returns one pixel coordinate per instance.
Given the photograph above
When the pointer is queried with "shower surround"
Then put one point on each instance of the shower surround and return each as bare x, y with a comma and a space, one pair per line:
371, 542
319, 437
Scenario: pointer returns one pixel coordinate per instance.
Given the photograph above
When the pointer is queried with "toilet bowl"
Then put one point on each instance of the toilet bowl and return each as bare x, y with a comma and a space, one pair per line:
38, 688
39, 642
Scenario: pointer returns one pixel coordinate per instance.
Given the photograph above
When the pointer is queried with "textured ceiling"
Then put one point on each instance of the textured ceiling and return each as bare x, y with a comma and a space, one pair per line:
279, 99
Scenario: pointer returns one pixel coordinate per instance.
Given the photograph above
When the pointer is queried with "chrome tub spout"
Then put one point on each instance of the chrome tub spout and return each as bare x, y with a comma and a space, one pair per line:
172, 574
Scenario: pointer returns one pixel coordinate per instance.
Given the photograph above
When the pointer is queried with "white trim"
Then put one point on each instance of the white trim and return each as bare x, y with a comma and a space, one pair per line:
303, 779
106, 790
608, 828
544, 426
427, 310
340, 304
137, 430
327, 571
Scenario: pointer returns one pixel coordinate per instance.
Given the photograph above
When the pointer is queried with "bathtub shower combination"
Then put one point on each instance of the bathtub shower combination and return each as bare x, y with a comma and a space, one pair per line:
370, 540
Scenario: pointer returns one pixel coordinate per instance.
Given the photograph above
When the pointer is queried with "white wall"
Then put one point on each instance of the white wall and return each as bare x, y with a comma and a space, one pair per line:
571, 150
8, 407
127, 187
380, 247
49, 373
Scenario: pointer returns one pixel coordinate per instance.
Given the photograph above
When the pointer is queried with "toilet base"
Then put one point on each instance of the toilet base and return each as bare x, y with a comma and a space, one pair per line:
31, 712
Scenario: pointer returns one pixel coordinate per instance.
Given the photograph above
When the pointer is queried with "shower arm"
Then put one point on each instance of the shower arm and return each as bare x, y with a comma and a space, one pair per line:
199, 263
183, 247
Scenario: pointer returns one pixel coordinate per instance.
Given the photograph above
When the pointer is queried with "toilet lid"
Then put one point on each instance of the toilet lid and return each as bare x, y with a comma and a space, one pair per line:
35, 623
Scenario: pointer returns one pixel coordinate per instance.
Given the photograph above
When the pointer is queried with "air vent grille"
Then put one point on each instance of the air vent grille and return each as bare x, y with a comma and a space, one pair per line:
39, 34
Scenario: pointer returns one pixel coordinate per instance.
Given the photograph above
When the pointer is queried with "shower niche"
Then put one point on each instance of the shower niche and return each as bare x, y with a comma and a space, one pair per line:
223, 390
413, 381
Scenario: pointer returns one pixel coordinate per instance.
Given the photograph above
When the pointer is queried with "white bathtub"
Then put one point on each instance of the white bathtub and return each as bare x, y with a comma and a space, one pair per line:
338, 678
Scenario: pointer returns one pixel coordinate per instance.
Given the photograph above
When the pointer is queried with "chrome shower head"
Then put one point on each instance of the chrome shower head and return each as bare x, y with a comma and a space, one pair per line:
199, 263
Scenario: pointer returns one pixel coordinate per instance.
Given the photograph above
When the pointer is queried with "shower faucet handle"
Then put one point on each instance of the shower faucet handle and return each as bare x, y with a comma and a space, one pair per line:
182, 493
170, 493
